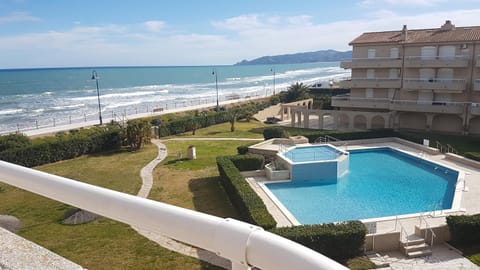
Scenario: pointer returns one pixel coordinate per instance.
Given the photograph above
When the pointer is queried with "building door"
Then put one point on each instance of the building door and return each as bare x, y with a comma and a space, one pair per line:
370, 73
391, 93
427, 74
371, 53
446, 52
429, 53
369, 93
394, 53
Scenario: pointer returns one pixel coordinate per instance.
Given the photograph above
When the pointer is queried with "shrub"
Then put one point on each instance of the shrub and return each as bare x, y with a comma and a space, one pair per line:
246, 201
464, 229
13, 141
337, 241
274, 132
138, 133
64, 146
242, 149
473, 155
248, 162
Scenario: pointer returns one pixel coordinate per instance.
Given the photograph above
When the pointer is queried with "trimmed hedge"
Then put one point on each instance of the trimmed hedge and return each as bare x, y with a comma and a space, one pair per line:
274, 132
464, 229
248, 162
246, 201
242, 149
473, 155
64, 146
337, 241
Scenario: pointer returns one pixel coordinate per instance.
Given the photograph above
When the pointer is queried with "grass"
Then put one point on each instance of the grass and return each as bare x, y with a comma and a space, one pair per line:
471, 252
244, 129
104, 243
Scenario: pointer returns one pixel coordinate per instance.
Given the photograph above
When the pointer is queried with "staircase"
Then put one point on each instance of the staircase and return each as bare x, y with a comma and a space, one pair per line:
414, 246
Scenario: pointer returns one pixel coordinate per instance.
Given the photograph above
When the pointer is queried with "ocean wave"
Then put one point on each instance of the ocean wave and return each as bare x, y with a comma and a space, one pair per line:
10, 111
115, 95
47, 93
122, 104
68, 107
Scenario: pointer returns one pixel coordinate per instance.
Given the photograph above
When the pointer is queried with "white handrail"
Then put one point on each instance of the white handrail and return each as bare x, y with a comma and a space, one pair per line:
242, 243
427, 228
402, 231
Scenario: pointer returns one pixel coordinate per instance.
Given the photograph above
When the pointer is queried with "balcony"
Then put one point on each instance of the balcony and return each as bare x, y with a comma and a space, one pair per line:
458, 61
378, 62
456, 85
475, 109
357, 102
370, 83
427, 106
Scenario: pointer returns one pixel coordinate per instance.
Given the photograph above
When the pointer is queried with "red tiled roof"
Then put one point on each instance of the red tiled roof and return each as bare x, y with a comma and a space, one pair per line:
459, 34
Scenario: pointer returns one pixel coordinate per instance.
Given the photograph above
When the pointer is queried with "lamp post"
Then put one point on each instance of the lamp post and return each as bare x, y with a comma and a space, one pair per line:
214, 72
273, 70
95, 77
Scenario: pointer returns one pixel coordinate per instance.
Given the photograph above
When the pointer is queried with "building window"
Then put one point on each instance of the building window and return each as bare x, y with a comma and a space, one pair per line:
391, 93
371, 53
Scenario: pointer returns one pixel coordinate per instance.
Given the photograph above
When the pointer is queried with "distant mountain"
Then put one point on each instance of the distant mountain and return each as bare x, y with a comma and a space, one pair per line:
305, 57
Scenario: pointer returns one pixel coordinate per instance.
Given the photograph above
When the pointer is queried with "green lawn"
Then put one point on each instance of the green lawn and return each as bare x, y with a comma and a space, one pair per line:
471, 252
244, 129
104, 243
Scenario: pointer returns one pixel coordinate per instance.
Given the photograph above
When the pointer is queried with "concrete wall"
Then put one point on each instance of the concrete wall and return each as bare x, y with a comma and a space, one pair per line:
382, 242
442, 234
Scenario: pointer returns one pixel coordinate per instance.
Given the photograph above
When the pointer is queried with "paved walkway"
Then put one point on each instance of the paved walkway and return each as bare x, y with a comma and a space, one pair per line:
147, 181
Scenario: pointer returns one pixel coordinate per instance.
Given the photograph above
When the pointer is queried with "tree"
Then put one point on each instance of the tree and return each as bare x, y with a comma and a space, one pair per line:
232, 117
297, 91
138, 133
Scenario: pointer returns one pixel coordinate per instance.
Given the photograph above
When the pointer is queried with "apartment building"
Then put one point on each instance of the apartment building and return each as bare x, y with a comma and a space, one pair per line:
422, 79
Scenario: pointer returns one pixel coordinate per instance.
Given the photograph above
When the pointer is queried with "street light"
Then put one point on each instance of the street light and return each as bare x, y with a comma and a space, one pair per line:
95, 77
273, 70
214, 72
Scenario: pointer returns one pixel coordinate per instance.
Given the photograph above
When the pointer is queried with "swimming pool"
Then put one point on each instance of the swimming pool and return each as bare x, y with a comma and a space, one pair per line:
381, 182
312, 153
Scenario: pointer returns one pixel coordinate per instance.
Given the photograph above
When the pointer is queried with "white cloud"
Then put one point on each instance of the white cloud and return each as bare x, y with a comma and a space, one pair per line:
154, 26
410, 3
18, 17
242, 37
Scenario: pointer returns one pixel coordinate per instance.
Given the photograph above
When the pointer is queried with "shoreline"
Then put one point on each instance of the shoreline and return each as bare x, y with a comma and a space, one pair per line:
50, 131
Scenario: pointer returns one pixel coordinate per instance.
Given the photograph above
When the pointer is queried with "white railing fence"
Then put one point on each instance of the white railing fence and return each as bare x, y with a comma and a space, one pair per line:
243, 244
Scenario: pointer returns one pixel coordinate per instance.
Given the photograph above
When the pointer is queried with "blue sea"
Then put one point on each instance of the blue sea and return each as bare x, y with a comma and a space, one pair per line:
36, 98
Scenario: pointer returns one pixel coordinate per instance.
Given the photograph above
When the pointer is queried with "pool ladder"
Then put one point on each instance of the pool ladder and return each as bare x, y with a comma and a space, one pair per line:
327, 138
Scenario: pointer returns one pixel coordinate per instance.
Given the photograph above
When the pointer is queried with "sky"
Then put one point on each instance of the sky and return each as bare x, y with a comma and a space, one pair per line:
74, 33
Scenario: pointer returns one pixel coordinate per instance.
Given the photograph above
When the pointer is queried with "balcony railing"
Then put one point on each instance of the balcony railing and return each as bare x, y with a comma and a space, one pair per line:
243, 244
377, 62
428, 106
371, 83
475, 108
476, 85
434, 84
437, 61
358, 102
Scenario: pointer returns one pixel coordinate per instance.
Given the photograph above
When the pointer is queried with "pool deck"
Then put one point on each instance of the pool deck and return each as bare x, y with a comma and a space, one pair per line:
466, 200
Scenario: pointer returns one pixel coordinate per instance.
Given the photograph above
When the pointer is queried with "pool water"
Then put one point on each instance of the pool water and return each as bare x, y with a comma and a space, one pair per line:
381, 182
312, 153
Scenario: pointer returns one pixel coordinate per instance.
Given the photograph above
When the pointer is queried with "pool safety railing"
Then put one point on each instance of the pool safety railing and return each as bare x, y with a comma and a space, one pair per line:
447, 148
427, 229
327, 138
245, 245
403, 233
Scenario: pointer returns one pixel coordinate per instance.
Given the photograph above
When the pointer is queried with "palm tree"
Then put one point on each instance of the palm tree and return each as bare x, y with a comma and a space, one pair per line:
297, 91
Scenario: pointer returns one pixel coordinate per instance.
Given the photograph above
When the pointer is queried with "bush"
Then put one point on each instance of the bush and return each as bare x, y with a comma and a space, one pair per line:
337, 241
274, 132
473, 155
242, 149
13, 141
246, 201
248, 162
64, 146
464, 229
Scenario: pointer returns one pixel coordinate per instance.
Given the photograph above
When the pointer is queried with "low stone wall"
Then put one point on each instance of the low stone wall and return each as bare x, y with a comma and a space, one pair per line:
442, 234
275, 175
382, 242
463, 160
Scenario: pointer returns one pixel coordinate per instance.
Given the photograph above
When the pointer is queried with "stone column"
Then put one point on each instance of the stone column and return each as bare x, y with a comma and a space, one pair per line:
292, 118
429, 121
306, 118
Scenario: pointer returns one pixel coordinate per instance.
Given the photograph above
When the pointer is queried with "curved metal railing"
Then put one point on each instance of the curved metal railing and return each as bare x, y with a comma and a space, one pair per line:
243, 244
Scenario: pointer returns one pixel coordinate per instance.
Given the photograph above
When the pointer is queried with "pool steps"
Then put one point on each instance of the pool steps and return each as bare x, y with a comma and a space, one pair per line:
415, 246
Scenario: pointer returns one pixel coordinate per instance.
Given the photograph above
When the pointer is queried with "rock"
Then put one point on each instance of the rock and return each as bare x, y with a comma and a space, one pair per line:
10, 223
